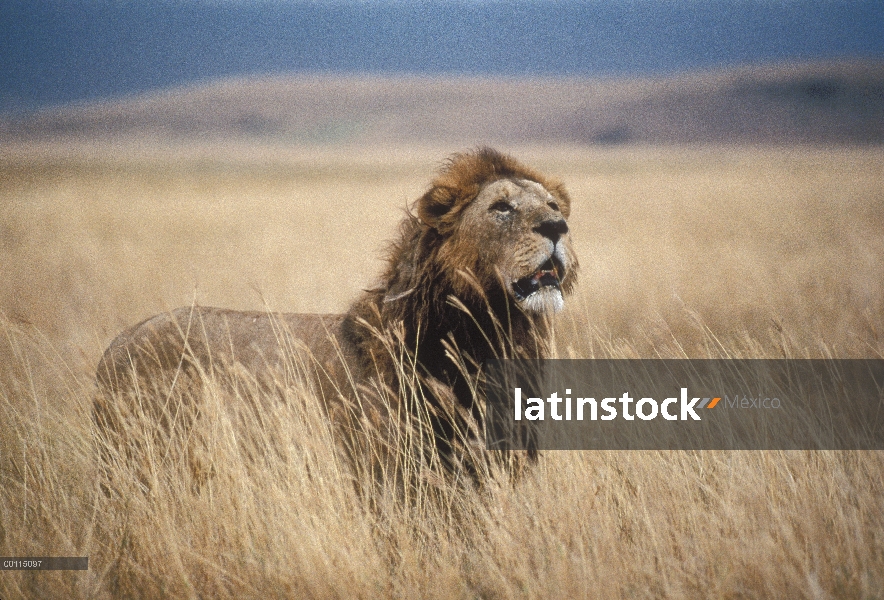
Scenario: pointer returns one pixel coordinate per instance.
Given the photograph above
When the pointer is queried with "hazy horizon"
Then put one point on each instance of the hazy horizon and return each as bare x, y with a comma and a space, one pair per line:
57, 52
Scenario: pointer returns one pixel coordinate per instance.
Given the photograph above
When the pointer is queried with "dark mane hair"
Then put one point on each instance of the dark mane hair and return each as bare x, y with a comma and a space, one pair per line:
415, 300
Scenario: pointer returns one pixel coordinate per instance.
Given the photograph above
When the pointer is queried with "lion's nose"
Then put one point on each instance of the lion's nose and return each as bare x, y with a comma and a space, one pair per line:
552, 228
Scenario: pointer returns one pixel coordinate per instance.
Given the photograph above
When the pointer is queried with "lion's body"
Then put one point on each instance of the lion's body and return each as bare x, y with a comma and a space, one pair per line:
475, 274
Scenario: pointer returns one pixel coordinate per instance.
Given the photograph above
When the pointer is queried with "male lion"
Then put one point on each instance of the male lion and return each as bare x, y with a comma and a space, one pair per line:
481, 262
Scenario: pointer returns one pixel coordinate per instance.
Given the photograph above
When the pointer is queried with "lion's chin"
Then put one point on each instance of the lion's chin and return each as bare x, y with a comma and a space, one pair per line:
547, 299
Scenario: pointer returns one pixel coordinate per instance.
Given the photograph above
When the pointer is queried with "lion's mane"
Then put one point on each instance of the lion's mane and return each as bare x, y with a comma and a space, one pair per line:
450, 315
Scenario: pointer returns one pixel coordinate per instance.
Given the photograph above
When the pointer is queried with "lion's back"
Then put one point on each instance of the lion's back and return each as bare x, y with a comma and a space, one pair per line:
214, 340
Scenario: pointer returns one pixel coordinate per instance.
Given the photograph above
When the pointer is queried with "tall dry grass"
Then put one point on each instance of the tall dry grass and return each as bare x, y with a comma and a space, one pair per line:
699, 253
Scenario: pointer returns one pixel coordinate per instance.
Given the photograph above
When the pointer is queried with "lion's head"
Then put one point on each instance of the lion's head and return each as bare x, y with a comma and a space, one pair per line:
490, 233
513, 235
487, 224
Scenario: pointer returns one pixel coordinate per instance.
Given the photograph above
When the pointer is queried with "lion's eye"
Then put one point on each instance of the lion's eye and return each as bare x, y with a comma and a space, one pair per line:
503, 207
553, 205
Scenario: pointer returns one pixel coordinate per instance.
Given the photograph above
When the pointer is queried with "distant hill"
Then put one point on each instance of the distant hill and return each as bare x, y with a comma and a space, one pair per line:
830, 103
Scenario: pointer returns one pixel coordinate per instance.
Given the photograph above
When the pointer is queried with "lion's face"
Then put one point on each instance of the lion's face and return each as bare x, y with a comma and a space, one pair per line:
514, 234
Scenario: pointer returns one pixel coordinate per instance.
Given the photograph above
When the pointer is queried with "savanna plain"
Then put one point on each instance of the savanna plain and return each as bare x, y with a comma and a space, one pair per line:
685, 252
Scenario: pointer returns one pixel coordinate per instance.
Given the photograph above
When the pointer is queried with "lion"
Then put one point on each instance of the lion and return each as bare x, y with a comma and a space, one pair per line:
482, 261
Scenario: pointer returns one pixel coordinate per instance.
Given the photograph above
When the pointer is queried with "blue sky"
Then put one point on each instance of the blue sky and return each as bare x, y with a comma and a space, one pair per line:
58, 51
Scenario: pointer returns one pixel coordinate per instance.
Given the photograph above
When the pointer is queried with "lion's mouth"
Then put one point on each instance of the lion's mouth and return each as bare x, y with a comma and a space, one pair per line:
549, 274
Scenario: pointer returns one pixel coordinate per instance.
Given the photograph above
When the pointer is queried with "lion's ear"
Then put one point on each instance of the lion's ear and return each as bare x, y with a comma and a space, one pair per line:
435, 204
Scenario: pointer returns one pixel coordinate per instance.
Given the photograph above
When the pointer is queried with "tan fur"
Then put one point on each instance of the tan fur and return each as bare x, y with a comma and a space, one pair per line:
446, 297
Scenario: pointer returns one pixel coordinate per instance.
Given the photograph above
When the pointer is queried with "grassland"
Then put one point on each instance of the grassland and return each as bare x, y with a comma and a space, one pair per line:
699, 252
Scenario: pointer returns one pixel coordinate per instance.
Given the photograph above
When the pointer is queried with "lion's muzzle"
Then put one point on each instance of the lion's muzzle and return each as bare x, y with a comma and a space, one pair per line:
549, 274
